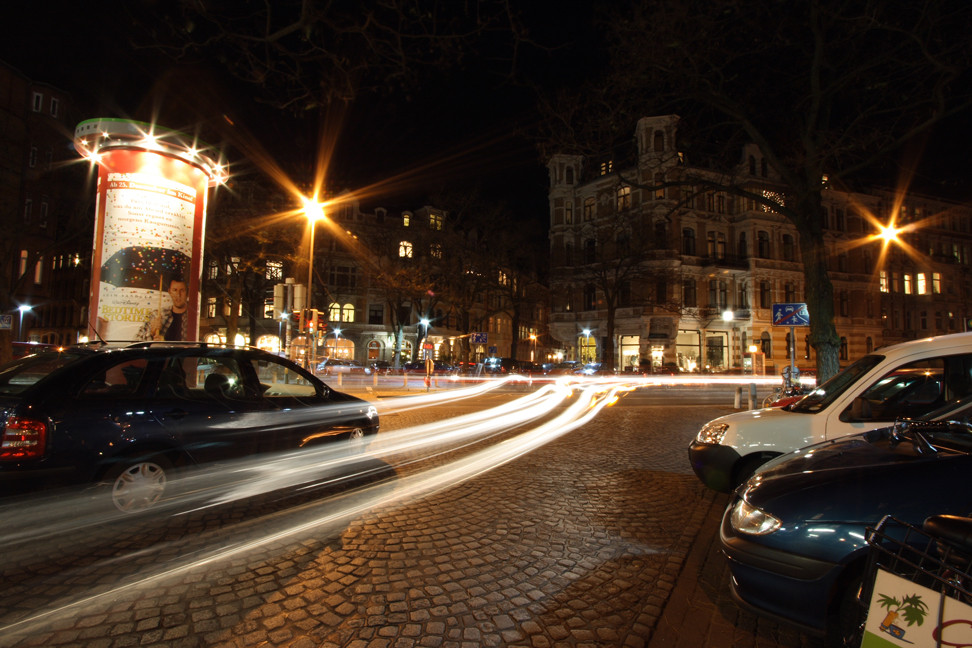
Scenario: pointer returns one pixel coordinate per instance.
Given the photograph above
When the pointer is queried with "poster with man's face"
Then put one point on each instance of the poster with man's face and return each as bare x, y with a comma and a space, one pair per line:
148, 242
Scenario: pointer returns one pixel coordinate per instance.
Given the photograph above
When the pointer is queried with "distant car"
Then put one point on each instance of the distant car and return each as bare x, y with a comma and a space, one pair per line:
128, 416
564, 368
593, 369
380, 367
511, 366
335, 366
794, 534
418, 367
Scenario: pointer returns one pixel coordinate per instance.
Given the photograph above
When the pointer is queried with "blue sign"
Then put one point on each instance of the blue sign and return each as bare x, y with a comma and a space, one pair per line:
478, 338
790, 315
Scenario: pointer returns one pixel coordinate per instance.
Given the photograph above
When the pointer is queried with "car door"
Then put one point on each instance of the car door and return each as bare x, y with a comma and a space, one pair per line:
302, 413
208, 408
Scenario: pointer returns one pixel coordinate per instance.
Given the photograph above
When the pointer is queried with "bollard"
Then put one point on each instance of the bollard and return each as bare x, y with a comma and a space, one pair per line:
738, 402
374, 379
340, 379
752, 395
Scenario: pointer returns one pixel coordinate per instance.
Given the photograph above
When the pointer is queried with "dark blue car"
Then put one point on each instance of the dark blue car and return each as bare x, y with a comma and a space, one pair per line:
126, 417
794, 534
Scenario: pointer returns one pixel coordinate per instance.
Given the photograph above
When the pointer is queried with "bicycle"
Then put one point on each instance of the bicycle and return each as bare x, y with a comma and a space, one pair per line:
917, 575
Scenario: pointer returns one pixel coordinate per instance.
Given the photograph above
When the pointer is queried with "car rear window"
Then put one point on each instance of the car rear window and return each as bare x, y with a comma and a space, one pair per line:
19, 375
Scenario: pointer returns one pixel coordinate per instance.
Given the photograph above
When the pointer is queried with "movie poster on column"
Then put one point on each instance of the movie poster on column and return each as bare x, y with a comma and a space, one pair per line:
148, 282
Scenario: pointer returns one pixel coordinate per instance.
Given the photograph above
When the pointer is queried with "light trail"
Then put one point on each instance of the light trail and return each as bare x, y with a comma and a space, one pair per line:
580, 404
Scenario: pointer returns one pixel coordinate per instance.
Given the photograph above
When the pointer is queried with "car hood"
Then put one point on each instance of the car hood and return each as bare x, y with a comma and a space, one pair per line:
860, 479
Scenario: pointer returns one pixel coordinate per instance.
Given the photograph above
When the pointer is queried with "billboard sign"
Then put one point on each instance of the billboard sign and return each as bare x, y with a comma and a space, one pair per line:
149, 230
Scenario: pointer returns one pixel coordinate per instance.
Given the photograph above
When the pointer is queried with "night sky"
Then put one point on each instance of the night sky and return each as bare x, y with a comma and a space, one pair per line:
472, 120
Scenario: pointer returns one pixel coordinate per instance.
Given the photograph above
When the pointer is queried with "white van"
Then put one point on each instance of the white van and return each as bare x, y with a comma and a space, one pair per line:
901, 381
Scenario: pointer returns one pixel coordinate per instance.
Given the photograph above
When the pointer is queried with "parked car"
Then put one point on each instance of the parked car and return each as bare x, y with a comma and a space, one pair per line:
128, 416
418, 367
500, 366
904, 380
380, 367
566, 367
335, 366
794, 533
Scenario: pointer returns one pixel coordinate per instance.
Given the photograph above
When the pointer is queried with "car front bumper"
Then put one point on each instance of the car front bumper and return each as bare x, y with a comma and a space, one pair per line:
713, 464
779, 584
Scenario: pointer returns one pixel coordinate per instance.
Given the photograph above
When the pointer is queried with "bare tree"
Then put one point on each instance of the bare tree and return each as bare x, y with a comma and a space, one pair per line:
825, 89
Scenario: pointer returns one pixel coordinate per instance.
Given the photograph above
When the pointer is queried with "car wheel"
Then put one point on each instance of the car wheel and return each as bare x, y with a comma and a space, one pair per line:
137, 484
847, 626
357, 440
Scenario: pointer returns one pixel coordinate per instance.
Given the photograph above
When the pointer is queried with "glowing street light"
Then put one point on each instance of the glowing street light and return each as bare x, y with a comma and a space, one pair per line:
314, 212
23, 308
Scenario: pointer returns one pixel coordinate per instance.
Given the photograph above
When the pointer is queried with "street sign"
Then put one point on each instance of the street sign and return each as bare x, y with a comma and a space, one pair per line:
790, 315
6, 322
479, 338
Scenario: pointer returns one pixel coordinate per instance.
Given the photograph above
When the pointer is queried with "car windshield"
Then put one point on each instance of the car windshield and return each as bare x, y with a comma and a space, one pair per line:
826, 393
21, 374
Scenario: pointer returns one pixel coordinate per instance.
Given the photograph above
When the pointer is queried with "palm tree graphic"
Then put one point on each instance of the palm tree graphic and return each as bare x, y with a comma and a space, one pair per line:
911, 608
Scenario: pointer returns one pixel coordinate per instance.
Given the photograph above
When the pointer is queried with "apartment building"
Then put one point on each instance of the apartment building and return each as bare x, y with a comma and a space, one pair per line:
688, 275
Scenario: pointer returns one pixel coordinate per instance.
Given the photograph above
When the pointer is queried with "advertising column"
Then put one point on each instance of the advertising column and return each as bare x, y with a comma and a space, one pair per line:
150, 222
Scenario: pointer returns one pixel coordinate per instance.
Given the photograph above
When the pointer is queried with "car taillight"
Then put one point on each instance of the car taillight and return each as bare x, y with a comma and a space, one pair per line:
23, 438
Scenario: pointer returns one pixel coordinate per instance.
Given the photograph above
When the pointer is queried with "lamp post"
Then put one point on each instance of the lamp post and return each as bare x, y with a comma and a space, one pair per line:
727, 317
533, 351
587, 334
314, 212
23, 308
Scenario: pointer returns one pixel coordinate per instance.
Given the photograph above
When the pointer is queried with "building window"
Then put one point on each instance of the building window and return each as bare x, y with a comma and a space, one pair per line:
907, 284
590, 251
569, 212
37, 103
347, 313
54, 106
435, 221
752, 165
32, 157
210, 307
435, 250
766, 344
624, 198
789, 249
268, 308
765, 295
743, 247
843, 348
660, 190
376, 314
688, 293
342, 276
659, 141
921, 284
570, 175
589, 209
661, 235
406, 219
883, 281
212, 270
789, 292
936, 286
405, 250
843, 304
762, 244
274, 270
607, 167
28, 209
688, 241
334, 312
590, 297
42, 221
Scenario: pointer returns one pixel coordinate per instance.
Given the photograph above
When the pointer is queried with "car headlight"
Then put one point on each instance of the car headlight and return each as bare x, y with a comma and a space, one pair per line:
712, 433
746, 518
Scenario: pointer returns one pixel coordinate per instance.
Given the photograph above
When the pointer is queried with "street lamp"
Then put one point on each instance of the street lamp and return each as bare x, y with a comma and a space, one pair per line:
314, 212
425, 335
533, 351
587, 346
23, 308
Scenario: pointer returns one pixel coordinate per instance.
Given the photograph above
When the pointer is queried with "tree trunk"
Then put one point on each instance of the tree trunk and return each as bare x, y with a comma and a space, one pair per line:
819, 290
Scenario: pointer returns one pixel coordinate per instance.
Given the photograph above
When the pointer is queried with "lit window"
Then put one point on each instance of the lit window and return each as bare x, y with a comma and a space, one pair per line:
588, 209
274, 269
406, 219
936, 283
405, 250
435, 221
883, 279
334, 312
907, 284
347, 313
922, 286
624, 198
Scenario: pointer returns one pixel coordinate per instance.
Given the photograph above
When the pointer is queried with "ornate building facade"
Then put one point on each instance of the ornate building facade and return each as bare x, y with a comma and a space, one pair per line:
689, 275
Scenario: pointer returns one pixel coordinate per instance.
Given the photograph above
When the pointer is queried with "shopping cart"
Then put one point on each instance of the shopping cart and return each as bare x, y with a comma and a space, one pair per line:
917, 589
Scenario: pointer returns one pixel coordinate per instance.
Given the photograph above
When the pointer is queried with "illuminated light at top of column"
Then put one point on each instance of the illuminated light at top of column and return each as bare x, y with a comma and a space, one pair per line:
93, 137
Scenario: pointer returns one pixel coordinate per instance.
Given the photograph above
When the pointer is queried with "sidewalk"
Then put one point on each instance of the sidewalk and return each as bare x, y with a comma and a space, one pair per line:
700, 610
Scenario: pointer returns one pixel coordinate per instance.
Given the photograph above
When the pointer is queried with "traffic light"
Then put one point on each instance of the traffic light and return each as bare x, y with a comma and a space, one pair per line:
298, 318
312, 321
